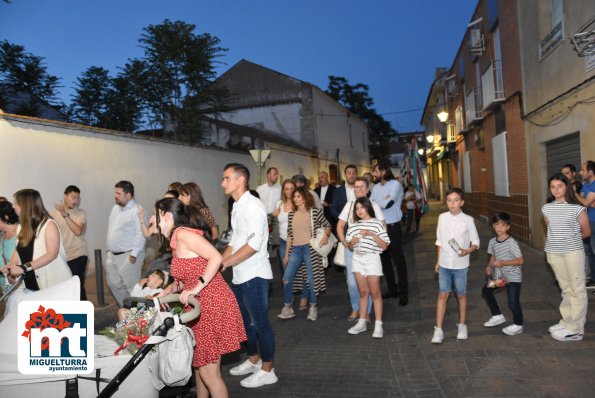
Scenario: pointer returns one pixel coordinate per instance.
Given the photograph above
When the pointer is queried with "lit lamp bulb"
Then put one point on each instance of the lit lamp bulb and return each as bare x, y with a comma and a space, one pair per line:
443, 116
420, 151
430, 138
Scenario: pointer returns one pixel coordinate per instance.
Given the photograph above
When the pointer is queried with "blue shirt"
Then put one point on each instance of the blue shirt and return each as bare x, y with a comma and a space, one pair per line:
383, 194
587, 188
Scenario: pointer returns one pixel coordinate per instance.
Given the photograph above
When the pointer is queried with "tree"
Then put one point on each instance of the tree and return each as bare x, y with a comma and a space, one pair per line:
90, 102
23, 71
180, 71
356, 98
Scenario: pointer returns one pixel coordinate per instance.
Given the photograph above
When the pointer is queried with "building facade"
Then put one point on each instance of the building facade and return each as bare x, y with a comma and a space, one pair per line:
299, 111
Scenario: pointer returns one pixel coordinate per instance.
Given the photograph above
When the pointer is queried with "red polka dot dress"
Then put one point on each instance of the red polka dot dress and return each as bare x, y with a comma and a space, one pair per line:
219, 329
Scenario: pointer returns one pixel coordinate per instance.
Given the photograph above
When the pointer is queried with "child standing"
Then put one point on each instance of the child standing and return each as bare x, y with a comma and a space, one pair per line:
506, 256
367, 238
456, 238
567, 224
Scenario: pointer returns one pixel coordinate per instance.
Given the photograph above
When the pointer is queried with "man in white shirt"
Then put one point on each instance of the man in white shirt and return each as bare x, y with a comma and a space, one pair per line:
345, 193
125, 243
247, 254
270, 192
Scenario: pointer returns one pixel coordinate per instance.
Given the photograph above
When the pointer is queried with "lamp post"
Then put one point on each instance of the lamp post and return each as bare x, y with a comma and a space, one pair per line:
443, 117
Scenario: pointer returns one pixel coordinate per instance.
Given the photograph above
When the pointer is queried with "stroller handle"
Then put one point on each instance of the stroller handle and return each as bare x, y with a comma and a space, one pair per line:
192, 301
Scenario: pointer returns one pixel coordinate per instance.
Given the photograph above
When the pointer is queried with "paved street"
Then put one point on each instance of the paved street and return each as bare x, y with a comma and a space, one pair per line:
320, 359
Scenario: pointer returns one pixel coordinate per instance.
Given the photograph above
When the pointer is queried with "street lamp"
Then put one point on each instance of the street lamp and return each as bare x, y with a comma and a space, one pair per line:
420, 151
430, 138
443, 116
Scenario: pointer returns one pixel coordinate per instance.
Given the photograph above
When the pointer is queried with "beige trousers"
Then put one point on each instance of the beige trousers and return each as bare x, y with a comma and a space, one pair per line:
569, 268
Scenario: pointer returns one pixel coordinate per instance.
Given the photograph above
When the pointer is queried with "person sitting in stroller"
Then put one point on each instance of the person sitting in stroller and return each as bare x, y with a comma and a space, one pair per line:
146, 288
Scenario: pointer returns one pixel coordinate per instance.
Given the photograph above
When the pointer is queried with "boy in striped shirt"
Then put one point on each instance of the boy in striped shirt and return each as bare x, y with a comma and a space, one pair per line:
505, 259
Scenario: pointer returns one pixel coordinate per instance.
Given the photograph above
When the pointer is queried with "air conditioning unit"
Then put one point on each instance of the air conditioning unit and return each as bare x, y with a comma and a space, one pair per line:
476, 41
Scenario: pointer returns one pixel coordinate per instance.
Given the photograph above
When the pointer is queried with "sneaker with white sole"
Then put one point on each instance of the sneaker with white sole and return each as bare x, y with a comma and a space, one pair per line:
567, 335
462, 331
495, 321
312, 313
438, 335
259, 379
555, 328
378, 330
360, 327
245, 368
286, 313
513, 329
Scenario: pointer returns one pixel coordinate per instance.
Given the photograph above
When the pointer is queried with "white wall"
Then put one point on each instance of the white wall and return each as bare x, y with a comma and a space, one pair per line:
48, 157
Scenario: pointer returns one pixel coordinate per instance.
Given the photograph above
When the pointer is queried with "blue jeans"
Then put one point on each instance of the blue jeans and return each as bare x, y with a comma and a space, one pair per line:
447, 276
299, 255
352, 284
513, 291
281, 254
253, 299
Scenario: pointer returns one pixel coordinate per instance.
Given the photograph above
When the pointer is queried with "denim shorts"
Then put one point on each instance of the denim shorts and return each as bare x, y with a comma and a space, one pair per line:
447, 276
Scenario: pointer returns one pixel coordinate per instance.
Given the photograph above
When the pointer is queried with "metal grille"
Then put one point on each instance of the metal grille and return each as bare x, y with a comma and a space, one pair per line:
563, 151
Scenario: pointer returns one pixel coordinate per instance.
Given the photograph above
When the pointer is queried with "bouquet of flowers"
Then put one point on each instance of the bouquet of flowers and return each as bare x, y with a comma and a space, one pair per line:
132, 332
498, 279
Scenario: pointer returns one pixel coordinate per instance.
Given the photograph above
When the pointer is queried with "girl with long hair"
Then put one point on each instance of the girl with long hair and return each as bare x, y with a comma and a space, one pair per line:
567, 225
303, 221
284, 206
191, 195
195, 269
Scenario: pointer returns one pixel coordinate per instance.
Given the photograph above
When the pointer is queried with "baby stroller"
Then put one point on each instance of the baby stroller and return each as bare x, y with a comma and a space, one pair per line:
109, 368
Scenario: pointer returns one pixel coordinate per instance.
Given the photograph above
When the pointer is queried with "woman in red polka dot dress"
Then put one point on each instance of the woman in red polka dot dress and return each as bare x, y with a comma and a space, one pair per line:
195, 268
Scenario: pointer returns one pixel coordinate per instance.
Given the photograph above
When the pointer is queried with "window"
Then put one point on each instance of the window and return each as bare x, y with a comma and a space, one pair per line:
500, 162
467, 171
492, 13
557, 12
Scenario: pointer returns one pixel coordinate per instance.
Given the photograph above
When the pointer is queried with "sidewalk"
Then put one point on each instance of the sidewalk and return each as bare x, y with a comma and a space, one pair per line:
320, 359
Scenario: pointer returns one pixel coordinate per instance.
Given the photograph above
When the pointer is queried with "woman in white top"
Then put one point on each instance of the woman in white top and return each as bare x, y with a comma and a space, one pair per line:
39, 253
567, 224
284, 206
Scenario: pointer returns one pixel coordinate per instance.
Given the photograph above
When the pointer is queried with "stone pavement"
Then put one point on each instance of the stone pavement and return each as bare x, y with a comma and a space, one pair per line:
320, 359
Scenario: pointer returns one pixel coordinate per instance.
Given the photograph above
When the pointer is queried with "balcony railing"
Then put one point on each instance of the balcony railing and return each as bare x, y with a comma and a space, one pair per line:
492, 84
473, 107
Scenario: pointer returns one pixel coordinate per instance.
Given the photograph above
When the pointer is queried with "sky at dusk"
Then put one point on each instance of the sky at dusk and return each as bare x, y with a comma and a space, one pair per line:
393, 46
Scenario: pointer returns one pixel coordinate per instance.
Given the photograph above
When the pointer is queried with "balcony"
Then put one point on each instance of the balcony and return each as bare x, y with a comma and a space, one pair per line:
492, 85
473, 106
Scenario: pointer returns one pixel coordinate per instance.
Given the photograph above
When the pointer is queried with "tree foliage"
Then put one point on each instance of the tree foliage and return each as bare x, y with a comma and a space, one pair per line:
357, 99
169, 88
23, 71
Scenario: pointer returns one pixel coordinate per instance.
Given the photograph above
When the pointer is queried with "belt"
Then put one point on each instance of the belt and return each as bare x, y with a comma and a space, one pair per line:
394, 224
119, 253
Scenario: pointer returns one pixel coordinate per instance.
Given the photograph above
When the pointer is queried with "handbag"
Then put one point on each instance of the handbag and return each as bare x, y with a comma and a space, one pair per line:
317, 235
339, 258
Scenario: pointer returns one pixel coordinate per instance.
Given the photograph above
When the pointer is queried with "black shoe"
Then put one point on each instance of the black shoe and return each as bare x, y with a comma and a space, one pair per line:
388, 295
403, 300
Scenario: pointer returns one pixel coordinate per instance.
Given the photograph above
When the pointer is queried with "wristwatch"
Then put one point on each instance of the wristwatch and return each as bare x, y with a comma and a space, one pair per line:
65, 215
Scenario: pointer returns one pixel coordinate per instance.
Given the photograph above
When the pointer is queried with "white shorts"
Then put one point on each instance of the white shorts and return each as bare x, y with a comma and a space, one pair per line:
367, 264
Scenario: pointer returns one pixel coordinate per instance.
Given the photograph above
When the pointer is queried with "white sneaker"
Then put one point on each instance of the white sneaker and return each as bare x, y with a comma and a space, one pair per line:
378, 330
286, 313
513, 329
360, 327
462, 331
245, 368
312, 313
438, 335
259, 379
495, 321
567, 335
555, 328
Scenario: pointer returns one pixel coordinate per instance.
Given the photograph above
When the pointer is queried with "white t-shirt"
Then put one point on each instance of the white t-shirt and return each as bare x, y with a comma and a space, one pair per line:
347, 213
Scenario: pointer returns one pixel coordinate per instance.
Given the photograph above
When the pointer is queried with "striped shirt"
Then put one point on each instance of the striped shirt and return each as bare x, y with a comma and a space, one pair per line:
563, 229
505, 250
367, 244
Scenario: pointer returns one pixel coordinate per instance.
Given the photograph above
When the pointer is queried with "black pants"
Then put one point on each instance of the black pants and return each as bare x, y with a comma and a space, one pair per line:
78, 266
395, 253
513, 290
